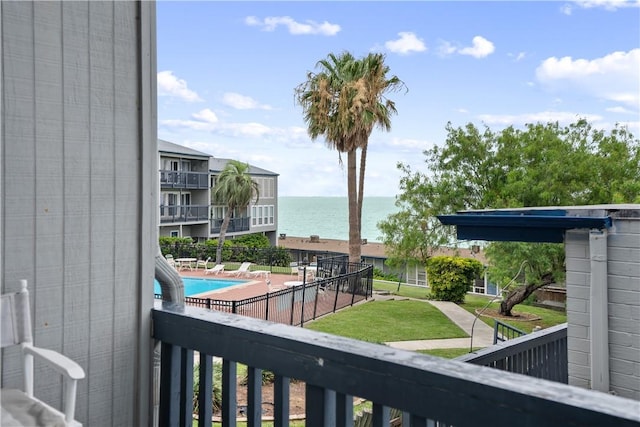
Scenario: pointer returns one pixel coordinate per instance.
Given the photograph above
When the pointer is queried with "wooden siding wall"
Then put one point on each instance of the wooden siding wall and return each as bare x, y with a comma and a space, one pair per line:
79, 185
623, 267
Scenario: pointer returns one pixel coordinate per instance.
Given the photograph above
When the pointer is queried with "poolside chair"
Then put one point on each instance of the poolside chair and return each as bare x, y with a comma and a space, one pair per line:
216, 269
258, 273
202, 263
22, 407
243, 269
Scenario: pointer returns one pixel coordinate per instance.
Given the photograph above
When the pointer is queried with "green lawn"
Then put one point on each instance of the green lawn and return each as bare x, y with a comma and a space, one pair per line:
446, 353
405, 290
382, 321
548, 317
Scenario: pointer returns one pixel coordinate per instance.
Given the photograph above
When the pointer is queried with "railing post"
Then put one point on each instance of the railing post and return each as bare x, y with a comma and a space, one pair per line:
233, 307
335, 300
169, 415
205, 390
266, 310
315, 302
304, 287
254, 396
229, 394
293, 302
281, 401
209, 303
186, 387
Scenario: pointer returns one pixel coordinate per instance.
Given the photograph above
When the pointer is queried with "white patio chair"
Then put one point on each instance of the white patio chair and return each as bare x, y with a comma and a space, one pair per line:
22, 408
216, 269
243, 269
202, 263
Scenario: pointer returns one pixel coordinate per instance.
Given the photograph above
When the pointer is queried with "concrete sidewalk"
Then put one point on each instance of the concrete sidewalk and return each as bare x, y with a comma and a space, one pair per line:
482, 333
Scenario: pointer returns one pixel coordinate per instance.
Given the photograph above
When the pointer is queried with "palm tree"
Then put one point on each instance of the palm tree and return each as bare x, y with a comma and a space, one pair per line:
343, 102
235, 189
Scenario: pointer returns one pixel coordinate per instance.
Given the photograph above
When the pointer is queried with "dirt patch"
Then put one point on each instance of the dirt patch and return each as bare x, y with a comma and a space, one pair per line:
522, 317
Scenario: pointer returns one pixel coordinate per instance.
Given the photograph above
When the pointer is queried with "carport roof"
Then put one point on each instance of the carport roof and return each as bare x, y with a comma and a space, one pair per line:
544, 224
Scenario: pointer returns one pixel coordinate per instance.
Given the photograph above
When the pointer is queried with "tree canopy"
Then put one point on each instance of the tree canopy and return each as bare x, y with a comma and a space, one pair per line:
539, 165
343, 102
235, 189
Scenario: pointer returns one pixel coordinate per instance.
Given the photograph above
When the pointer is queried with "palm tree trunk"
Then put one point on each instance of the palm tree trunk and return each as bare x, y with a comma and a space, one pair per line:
363, 164
354, 224
223, 232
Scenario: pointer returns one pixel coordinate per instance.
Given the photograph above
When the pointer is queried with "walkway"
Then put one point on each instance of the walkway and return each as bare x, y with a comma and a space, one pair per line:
482, 333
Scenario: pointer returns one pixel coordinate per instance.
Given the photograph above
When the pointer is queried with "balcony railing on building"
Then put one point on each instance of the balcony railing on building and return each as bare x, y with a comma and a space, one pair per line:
235, 225
184, 213
186, 180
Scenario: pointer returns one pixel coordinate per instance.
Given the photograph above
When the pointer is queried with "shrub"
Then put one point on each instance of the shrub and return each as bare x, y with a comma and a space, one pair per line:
450, 278
380, 275
268, 377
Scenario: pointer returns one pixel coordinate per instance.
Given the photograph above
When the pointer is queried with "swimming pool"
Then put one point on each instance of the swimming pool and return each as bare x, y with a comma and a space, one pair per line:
194, 286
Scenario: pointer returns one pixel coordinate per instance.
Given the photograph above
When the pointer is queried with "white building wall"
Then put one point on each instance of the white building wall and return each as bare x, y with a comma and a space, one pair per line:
623, 294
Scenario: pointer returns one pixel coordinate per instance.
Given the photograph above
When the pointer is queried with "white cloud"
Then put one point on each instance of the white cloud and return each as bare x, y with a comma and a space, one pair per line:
406, 43
242, 102
517, 56
480, 48
613, 77
610, 5
620, 110
170, 85
206, 115
408, 143
562, 117
270, 23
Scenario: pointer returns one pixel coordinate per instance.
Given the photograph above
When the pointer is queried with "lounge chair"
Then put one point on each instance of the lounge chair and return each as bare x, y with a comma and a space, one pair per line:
216, 269
22, 407
258, 273
202, 263
243, 269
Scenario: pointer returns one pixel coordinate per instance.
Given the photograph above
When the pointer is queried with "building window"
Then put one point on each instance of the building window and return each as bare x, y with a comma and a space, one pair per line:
175, 233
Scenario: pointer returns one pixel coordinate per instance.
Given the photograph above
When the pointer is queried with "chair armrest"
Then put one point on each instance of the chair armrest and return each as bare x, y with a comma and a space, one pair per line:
59, 362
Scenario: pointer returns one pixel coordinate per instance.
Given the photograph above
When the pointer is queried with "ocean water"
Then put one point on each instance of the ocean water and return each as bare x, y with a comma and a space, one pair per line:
328, 217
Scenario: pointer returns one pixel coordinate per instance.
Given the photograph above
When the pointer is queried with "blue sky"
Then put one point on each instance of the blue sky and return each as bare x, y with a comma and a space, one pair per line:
227, 73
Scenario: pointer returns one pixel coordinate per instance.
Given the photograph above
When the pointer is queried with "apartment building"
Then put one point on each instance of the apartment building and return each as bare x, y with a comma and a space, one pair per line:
187, 178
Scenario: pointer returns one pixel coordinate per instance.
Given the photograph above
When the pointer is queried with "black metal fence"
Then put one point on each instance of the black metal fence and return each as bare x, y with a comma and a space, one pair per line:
296, 305
504, 332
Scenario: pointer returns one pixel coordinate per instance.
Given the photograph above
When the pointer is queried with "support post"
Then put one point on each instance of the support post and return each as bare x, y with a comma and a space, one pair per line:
599, 319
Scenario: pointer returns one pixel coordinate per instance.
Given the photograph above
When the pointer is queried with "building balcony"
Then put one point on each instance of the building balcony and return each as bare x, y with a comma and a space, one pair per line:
184, 213
184, 180
235, 225
427, 391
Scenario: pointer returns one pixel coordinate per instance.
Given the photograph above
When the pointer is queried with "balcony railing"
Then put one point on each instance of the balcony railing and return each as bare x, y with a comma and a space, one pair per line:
184, 213
189, 180
235, 225
334, 369
541, 354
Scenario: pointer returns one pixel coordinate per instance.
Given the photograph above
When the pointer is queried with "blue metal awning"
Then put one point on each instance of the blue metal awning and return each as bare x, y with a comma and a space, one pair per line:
535, 225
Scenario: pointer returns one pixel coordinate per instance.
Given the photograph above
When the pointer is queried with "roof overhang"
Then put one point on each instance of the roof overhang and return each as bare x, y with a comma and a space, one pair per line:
521, 225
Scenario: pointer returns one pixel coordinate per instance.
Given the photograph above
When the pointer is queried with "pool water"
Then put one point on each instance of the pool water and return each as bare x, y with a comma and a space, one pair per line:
194, 286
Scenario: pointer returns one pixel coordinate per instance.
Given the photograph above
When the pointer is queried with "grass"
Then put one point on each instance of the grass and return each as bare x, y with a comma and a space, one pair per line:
383, 321
447, 353
548, 317
407, 291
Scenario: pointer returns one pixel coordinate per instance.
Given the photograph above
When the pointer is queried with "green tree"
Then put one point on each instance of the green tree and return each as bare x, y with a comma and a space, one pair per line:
539, 165
343, 102
235, 189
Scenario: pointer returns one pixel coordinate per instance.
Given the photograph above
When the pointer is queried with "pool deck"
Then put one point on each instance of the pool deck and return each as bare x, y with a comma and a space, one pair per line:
255, 287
